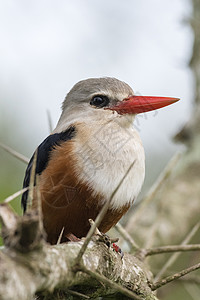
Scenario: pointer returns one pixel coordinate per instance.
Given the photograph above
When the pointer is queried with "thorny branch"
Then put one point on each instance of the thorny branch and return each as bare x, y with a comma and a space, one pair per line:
142, 253
15, 195
173, 277
28, 224
14, 153
50, 123
27, 227
110, 283
32, 183
23, 234
174, 257
127, 237
30, 266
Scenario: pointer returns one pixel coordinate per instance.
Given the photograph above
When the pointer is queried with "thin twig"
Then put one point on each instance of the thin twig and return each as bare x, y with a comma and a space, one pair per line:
99, 218
110, 283
153, 191
32, 182
167, 249
77, 294
60, 236
96, 230
14, 153
173, 258
39, 203
49, 121
127, 237
15, 195
173, 277
7, 217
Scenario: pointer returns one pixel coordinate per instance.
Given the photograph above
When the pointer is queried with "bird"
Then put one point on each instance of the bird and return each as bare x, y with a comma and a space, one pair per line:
87, 154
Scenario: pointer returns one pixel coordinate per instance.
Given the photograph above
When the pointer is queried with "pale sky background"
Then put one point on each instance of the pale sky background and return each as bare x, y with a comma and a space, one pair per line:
46, 46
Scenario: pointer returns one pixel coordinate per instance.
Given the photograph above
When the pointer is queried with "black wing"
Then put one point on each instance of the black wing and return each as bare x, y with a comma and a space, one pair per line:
43, 153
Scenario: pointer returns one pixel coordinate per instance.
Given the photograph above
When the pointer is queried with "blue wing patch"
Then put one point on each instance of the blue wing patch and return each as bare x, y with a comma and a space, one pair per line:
43, 154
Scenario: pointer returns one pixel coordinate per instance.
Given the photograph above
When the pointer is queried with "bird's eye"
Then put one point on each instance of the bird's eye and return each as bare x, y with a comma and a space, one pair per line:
99, 101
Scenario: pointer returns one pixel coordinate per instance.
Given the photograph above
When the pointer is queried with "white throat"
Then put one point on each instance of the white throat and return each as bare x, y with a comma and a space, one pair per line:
104, 153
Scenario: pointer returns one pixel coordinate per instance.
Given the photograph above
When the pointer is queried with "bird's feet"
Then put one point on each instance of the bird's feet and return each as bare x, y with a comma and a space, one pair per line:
72, 238
110, 242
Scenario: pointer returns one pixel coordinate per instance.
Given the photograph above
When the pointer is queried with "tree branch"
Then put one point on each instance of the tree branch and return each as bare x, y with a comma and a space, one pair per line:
166, 249
173, 258
110, 283
168, 279
15, 195
14, 153
30, 266
127, 237
50, 123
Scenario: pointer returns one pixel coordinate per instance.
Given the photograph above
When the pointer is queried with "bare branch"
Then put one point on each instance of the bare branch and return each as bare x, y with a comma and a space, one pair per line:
111, 284
32, 182
39, 202
29, 265
60, 236
14, 153
77, 294
173, 258
127, 237
15, 195
167, 249
168, 279
96, 230
7, 217
49, 121
20, 233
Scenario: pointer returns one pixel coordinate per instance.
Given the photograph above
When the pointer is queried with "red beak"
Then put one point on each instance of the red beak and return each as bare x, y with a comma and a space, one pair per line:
141, 104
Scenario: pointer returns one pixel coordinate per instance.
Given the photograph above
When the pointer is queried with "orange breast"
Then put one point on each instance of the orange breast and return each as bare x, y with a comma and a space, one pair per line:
67, 202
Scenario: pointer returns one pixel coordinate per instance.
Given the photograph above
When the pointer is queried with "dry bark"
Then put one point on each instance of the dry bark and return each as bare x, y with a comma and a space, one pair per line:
30, 266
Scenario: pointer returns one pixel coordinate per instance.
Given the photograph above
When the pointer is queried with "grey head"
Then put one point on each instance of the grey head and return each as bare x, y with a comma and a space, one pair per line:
88, 99
85, 90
